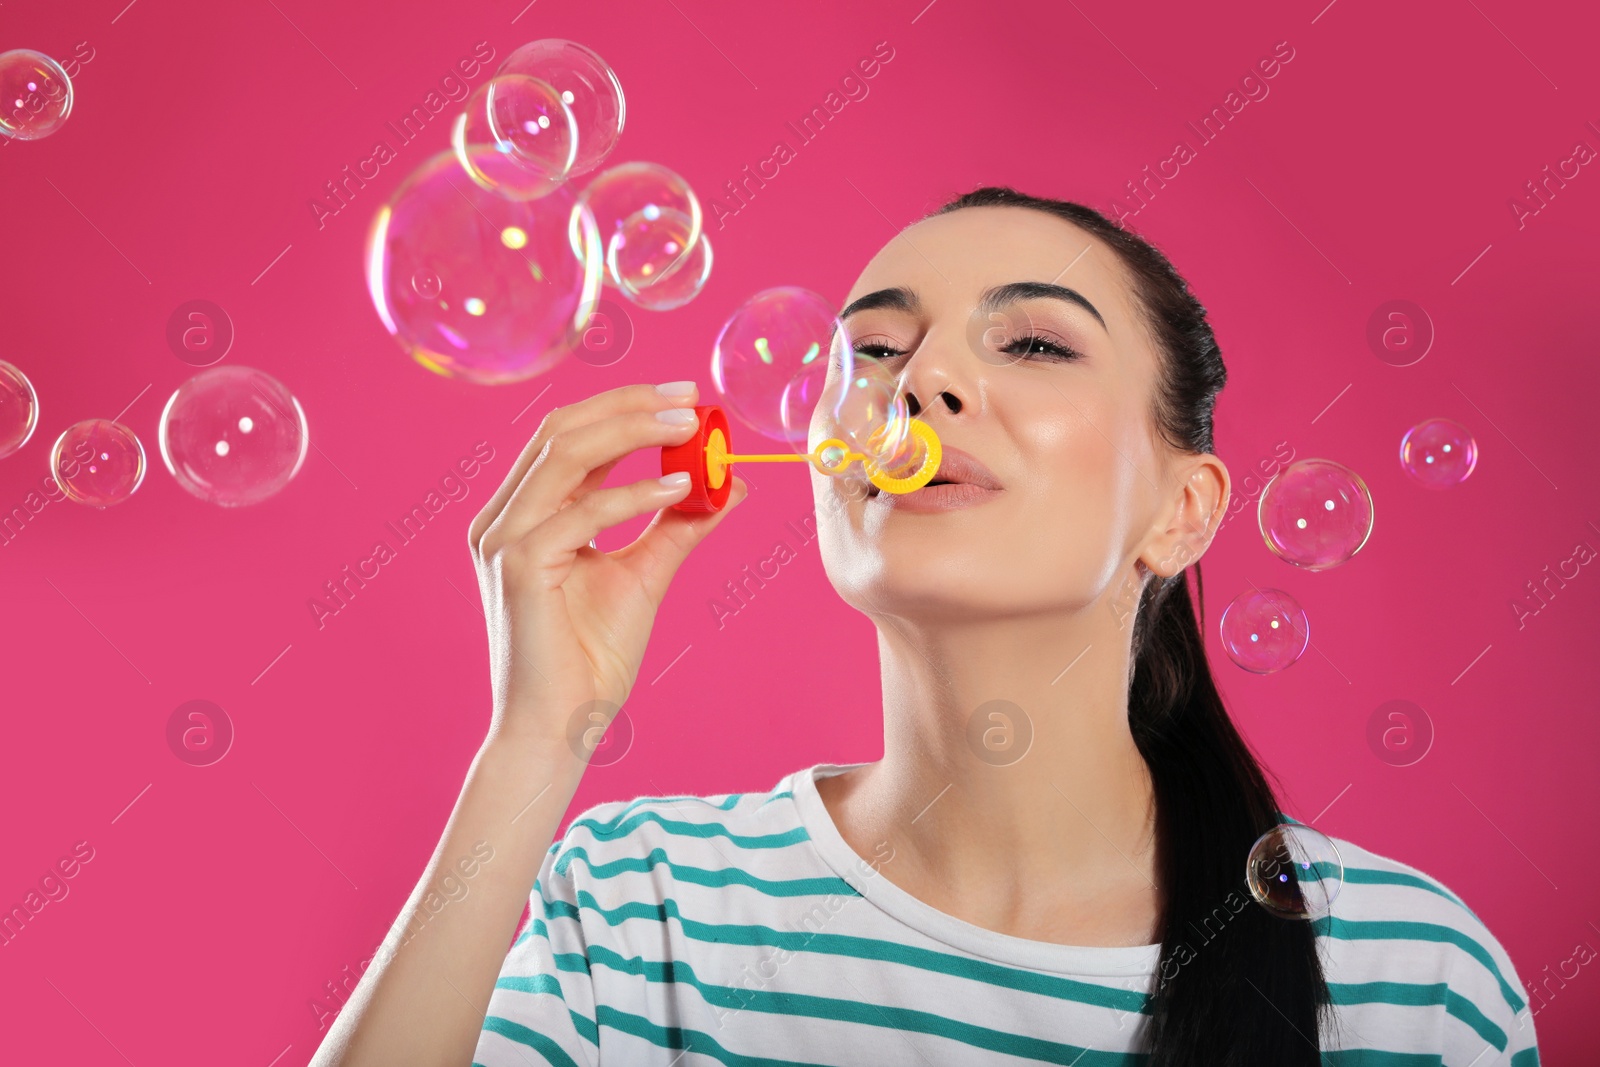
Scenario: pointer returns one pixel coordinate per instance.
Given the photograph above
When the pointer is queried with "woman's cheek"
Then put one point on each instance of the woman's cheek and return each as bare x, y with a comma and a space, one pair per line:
1072, 526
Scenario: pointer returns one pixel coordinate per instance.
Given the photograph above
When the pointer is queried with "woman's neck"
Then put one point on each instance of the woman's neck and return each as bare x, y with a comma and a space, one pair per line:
1010, 783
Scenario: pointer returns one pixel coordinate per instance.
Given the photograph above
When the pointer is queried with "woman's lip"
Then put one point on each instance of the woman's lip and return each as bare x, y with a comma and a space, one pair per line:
960, 467
950, 496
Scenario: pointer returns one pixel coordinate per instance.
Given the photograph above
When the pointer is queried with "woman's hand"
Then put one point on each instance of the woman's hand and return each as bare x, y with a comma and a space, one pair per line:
568, 624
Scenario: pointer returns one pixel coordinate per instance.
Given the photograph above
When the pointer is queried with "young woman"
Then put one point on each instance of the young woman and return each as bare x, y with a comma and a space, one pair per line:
1070, 893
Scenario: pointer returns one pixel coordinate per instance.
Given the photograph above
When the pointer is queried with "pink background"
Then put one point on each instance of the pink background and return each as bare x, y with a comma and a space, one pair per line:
1380, 167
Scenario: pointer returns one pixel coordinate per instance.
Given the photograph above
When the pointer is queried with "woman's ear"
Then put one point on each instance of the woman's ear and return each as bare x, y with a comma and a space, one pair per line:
1198, 501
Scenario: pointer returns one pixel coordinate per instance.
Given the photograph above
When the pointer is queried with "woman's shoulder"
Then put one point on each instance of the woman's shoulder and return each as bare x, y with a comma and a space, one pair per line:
1377, 888
1398, 934
1382, 899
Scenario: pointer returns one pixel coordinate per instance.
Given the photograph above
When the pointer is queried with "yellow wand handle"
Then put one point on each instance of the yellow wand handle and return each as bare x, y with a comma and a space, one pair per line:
830, 457
726, 458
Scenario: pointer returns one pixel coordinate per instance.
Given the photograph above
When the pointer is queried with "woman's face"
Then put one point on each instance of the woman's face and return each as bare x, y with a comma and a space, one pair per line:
1082, 486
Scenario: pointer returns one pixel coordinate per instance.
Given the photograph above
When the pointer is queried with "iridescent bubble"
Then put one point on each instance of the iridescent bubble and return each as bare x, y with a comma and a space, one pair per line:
646, 257
619, 194
771, 360
1295, 872
867, 407
35, 95
98, 462
587, 86
474, 285
1316, 514
233, 435
516, 138
1264, 630
1439, 453
19, 409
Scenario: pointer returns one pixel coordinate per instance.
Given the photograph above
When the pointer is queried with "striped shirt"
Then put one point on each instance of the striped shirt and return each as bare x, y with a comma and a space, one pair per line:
742, 929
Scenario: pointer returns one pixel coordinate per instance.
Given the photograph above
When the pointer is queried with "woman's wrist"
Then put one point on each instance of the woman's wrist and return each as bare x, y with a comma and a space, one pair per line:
521, 752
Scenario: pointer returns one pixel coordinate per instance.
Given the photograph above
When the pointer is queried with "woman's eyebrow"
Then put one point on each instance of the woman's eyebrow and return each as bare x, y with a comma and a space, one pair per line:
897, 299
1001, 295
900, 298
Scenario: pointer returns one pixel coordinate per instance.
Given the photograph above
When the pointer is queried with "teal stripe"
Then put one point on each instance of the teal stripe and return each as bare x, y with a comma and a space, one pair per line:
675, 1037
807, 1005
567, 961
1327, 871
1367, 876
719, 878
775, 796
1528, 1057
536, 926
726, 804
1372, 1057
530, 983
865, 948
529, 1039
576, 962
1459, 1006
1413, 995
1349, 930
619, 827
548, 984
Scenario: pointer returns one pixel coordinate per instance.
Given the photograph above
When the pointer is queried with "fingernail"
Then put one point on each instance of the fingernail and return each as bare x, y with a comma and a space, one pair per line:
675, 480
677, 416
675, 388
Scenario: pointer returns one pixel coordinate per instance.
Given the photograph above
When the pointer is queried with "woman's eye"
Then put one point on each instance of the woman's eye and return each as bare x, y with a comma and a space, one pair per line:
1032, 345
1029, 345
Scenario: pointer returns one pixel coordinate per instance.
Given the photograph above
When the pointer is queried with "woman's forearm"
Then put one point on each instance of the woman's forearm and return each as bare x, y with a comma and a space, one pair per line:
422, 999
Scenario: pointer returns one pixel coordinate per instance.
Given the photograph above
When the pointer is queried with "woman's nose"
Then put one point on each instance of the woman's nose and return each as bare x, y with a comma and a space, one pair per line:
950, 400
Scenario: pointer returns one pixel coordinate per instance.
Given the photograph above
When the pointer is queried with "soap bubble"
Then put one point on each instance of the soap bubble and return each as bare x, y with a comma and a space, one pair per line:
515, 137
233, 435
867, 408
1439, 453
1316, 514
1295, 872
771, 360
35, 95
474, 285
586, 85
19, 409
646, 256
1264, 630
653, 193
98, 462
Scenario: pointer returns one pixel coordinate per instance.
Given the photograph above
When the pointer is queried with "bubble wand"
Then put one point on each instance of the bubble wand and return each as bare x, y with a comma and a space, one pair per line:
707, 456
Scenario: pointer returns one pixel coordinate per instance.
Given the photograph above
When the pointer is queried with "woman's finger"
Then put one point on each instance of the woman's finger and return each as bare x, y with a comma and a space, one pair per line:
600, 406
570, 457
657, 553
574, 527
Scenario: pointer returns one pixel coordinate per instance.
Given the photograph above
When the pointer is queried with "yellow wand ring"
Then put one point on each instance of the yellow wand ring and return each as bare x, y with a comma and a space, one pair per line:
923, 474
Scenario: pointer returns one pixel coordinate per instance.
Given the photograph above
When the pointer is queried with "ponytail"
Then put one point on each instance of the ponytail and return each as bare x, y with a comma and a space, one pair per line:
1235, 983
